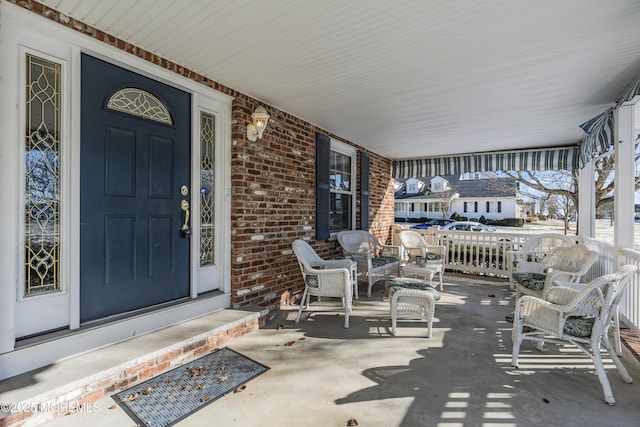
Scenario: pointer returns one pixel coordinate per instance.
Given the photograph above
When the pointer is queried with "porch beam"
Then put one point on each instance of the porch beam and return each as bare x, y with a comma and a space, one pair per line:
624, 177
587, 201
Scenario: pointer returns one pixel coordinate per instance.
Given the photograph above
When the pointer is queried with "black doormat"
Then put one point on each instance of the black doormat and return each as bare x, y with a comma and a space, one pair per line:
174, 395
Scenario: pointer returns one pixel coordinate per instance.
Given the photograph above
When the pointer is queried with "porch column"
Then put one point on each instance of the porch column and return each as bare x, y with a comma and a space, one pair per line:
624, 177
586, 201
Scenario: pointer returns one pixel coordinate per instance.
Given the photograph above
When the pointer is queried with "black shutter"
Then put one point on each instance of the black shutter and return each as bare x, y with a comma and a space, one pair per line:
323, 191
487, 210
499, 207
365, 159
465, 207
475, 206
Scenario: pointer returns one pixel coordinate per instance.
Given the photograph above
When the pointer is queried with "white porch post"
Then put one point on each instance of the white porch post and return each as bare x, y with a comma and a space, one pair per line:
586, 201
624, 177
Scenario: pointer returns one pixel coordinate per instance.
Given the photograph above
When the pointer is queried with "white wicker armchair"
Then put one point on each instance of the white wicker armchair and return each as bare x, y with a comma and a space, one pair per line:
414, 244
581, 318
374, 259
535, 250
566, 264
325, 278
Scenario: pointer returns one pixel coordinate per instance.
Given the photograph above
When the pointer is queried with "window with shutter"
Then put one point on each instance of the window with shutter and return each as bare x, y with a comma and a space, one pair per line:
335, 187
365, 160
323, 154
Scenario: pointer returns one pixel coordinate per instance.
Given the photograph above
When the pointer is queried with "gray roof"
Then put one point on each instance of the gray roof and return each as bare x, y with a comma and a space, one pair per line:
492, 187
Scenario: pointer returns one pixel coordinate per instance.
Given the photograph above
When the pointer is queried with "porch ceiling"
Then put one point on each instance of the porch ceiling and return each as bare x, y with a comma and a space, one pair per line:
405, 79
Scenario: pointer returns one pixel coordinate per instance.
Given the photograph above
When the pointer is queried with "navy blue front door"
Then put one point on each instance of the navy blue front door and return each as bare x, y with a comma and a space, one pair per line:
133, 253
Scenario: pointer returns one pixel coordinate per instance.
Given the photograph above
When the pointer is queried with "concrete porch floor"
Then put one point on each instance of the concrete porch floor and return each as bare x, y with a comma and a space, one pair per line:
324, 375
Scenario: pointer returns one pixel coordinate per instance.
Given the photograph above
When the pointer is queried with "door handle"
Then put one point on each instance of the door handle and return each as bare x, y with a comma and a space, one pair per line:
184, 205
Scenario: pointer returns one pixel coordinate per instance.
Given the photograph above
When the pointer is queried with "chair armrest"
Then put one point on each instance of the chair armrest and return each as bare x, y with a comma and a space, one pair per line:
390, 250
338, 263
436, 249
559, 294
530, 267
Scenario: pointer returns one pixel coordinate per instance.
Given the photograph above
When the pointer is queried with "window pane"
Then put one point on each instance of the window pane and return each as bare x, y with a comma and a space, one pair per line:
42, 177
340, 212
139, 103
207, 174
340, 171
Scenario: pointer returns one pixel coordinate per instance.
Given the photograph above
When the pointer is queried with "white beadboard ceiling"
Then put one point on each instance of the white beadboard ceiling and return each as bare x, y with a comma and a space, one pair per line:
404, 78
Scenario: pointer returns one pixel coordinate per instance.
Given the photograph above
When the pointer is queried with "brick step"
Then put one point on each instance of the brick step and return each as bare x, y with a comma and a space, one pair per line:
36, 397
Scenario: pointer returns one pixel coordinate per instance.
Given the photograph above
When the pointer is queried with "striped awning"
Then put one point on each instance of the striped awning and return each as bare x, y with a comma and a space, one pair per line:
599, 137
525, 160
600, 129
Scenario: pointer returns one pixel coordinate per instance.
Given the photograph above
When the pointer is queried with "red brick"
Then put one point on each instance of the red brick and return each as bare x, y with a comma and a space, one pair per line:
155, 370
120, 385
194, 345
136, 369
205, 349
168, 356
92, 397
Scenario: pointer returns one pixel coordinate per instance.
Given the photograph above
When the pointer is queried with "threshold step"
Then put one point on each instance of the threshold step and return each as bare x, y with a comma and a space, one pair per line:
40, 395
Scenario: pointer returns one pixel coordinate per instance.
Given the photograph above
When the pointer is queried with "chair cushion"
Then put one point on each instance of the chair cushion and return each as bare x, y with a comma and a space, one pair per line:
398, 283
576, 326
379, 261
311, 280
579, 326
533, 281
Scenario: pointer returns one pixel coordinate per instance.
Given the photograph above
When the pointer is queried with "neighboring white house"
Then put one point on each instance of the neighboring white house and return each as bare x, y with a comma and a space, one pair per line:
471, 195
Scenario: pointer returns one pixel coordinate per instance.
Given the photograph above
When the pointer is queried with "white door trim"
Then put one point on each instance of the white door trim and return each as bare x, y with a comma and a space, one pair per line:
21, 27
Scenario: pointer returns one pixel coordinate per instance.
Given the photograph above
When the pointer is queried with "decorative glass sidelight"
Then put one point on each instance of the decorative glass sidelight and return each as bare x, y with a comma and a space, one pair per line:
207, 188
42, 176
139, 103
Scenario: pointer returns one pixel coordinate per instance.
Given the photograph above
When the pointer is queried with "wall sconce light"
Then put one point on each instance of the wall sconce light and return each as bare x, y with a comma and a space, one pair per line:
260, 119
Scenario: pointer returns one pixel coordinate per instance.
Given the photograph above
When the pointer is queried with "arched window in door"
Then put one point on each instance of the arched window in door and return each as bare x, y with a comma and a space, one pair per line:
139, 103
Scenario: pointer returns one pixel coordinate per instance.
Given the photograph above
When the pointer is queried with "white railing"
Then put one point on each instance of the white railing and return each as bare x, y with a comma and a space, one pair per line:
473, 252
630, 304
607, 261
484, 253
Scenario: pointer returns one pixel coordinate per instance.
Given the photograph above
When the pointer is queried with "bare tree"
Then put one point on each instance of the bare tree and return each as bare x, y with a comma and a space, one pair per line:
561, 207
447, 196
564, 184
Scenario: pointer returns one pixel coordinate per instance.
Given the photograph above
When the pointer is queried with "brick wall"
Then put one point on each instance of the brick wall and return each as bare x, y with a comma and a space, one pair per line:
272, 186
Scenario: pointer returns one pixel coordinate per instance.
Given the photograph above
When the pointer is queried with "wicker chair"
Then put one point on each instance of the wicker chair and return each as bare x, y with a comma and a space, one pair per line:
325, 278
415, 245
581, 318
566, 264
535, 250
374, 259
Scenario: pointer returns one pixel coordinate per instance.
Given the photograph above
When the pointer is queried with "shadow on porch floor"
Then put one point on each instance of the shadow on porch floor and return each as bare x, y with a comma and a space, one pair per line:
324, 375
